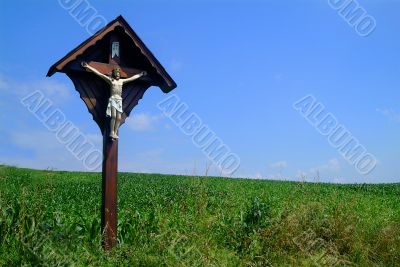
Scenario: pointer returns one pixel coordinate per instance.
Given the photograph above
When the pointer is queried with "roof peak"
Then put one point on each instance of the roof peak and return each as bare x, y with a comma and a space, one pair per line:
167, 83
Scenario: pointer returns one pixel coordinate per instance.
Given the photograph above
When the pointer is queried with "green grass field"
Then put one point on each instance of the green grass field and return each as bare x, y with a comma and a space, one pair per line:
53, 219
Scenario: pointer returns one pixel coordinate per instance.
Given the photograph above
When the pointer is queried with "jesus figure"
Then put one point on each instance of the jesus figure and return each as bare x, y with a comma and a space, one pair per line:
114, 107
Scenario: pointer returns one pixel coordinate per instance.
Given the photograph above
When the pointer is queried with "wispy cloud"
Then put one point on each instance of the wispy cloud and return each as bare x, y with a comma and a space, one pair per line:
40, 149
329, 168
278, 168
56, 91
390, 113
143, 122
36, 140
332, 166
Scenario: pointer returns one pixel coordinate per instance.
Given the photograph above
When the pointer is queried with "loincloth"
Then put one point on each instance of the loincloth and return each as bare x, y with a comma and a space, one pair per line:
116, 103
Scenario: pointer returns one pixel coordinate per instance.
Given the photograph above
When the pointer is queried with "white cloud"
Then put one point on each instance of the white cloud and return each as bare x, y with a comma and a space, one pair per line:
36, 140
143, 122
390, 113
44, 152
54, 90
278, 166
40, 149
332, 166
320, 172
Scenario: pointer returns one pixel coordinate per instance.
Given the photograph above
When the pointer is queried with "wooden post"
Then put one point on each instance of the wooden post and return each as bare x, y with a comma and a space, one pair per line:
109, 194
110, 170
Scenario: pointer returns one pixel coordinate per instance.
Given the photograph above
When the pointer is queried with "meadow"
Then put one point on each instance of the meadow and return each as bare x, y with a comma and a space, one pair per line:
52, 218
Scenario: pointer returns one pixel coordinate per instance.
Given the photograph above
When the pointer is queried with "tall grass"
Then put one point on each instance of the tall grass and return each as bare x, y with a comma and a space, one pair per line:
52, 219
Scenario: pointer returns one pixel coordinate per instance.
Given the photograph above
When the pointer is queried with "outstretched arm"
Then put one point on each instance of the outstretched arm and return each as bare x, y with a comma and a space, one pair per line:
98, 73
134, 77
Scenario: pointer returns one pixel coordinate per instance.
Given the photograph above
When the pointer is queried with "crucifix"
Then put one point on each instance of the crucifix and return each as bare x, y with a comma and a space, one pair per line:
114, 107
111, 71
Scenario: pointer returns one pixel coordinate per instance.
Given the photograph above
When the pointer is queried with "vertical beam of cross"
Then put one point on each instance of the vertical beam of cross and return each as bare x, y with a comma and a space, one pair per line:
110, 170
109, 194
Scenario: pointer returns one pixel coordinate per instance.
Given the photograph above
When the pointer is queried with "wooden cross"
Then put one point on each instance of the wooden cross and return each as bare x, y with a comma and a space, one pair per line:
94, 92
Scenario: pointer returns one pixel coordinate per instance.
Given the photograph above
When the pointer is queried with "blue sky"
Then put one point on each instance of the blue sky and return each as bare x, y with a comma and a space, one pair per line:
239, 65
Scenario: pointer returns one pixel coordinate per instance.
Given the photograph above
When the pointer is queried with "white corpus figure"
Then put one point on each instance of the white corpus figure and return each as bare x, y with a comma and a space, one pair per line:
114, 107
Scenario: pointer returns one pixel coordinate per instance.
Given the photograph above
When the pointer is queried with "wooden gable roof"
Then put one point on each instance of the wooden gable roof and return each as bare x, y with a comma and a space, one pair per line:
163, 79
